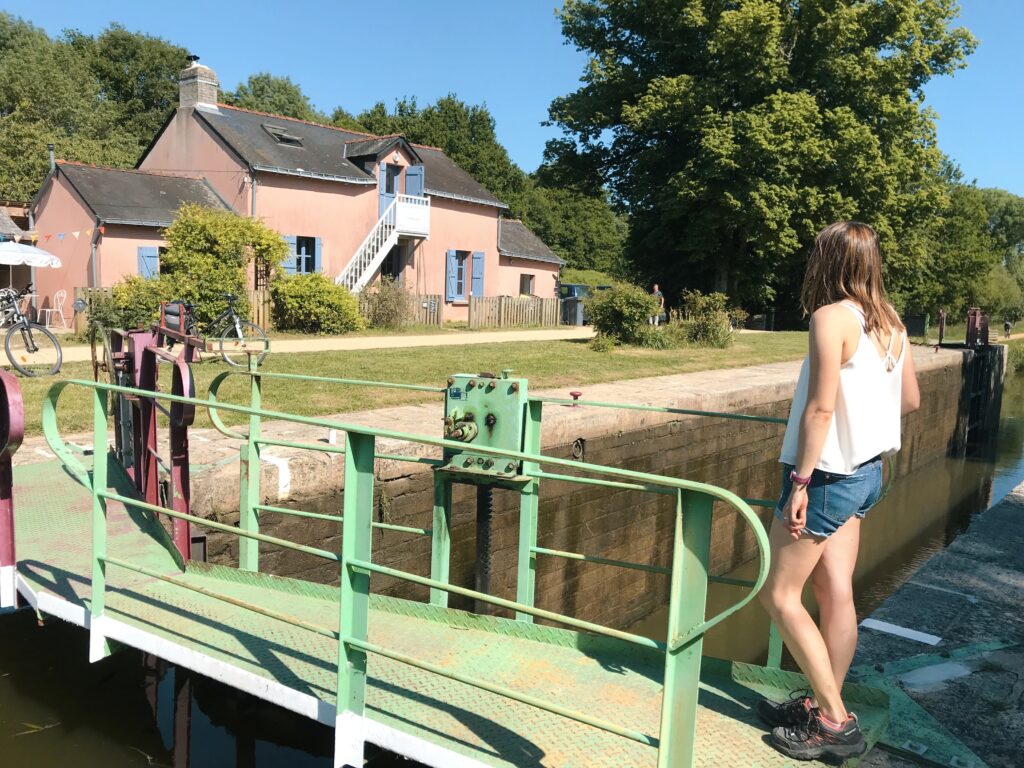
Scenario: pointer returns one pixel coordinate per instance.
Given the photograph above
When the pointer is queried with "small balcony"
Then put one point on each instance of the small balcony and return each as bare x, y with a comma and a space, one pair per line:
412, 215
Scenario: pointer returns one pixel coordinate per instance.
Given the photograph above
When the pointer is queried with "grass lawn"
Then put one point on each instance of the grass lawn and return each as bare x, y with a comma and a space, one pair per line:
551, 364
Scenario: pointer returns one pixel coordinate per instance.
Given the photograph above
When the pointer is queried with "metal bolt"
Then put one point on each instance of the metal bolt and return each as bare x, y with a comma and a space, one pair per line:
489, 463
510, 467
505, 372
480, 460
451, 382
515, 386
470, 384
575, 396
491, 385
467, 462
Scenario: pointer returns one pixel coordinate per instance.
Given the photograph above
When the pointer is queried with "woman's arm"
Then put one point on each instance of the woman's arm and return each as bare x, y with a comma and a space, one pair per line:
910, 395
829, 327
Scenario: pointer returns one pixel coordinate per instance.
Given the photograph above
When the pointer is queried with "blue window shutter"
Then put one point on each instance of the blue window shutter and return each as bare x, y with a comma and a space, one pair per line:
449, 273
414, 180
289, 262
149, 261
478, 273
382, 177
318, 256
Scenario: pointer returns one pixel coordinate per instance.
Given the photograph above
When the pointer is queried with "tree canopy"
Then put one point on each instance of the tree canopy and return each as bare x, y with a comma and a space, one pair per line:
733, 132
265, 92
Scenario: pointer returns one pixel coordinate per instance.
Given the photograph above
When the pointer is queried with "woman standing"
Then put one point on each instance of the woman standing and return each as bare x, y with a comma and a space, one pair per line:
856, 383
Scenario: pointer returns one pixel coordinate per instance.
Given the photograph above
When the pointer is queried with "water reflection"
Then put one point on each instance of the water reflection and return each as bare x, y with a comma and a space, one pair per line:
923, 513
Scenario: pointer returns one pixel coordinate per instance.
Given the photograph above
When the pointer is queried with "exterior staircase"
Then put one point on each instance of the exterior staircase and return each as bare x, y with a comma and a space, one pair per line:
407, 216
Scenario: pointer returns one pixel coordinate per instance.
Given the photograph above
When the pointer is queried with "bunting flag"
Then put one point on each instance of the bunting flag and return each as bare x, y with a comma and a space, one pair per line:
48, 237
35, 238
103, 230
88, 233
76, 234
60, 235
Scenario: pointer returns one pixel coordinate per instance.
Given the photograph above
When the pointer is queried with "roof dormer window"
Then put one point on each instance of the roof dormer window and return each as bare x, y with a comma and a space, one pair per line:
281, 135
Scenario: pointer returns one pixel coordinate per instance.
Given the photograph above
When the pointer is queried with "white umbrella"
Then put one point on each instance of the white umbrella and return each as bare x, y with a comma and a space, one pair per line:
16, 253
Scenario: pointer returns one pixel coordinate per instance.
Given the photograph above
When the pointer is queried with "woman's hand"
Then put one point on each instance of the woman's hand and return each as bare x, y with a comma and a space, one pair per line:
794, 513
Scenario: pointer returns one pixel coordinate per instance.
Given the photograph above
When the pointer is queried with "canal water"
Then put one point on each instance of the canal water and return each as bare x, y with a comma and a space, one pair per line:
57, 710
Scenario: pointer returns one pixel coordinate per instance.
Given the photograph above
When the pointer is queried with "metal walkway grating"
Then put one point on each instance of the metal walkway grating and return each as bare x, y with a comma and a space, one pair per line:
601, 676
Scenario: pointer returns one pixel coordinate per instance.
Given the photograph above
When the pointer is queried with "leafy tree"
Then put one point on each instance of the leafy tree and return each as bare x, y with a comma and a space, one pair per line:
209, 253
135, 71
48, 95
342, 119
961, 256
277, 95
732, 132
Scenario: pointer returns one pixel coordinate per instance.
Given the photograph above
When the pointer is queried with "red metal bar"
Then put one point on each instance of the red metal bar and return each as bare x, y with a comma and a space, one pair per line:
12, 430
181, 418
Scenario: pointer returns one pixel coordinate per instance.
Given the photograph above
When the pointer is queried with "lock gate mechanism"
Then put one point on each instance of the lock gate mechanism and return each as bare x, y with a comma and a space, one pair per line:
484, 410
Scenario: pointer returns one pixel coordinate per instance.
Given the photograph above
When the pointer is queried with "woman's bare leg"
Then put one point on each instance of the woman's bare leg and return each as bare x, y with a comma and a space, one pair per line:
792, 564
833, 589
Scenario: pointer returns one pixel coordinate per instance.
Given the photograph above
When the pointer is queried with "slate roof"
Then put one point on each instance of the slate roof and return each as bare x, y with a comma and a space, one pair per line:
326, 151
118, 196
517, 241
364, 147
322, 153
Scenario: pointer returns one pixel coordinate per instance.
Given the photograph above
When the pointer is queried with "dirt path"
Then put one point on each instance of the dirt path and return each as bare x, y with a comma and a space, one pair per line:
78, 354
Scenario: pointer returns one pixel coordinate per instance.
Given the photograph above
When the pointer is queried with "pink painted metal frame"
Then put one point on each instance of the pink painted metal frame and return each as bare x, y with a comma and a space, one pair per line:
12, 430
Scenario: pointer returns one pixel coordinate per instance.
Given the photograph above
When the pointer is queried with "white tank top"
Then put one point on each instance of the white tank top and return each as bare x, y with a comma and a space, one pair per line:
866, 420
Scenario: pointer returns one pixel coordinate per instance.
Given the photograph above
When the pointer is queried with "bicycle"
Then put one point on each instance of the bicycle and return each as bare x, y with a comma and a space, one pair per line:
238, 337
30, 347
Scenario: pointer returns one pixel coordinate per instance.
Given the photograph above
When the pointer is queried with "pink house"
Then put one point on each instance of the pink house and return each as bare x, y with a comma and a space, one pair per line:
350, 205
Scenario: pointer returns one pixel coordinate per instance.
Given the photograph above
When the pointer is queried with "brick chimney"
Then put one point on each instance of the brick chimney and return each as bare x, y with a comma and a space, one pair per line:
197, 85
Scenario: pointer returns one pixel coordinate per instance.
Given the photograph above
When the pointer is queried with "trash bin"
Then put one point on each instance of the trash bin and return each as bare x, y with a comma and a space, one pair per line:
572, 311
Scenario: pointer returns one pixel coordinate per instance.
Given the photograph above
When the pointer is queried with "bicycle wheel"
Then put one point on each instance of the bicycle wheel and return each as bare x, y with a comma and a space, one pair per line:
33, 350
235, 348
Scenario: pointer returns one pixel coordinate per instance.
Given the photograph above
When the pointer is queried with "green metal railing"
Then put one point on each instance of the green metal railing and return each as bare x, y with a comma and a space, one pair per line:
526, 574
687, 623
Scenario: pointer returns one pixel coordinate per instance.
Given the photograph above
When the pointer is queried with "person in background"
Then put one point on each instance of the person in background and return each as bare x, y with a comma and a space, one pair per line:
855, 384
1007, 327
655, 319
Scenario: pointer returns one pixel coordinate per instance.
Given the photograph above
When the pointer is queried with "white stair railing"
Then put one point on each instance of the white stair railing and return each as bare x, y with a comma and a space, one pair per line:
371, 253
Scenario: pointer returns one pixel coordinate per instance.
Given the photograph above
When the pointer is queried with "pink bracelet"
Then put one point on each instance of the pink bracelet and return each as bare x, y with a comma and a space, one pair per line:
797, 480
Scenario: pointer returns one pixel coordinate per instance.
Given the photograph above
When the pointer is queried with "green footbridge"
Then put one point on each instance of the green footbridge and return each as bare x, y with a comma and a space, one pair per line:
95, 542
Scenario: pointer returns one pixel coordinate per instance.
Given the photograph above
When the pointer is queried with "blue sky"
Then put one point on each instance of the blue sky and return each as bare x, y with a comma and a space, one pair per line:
509, 55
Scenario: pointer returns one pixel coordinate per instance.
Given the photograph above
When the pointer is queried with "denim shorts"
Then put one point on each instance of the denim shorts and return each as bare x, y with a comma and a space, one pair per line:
833, 499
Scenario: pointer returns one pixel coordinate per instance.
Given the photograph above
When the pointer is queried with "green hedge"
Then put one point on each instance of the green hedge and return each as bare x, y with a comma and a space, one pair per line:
314, 304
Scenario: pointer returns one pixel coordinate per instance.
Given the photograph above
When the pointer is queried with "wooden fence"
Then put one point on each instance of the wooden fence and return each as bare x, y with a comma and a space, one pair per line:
512, 311
259, 307
421, 309
81, 319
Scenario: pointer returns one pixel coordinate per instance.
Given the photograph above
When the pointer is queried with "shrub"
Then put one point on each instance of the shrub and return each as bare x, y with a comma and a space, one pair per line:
621, 313
602, 343
208, 254
710, 331
706, 320
651, 338
1015, 358
314, 304
696, 303
386, 305
738, 316
137, 300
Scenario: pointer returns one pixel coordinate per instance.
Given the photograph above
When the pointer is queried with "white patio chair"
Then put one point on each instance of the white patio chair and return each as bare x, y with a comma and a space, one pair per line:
46, 315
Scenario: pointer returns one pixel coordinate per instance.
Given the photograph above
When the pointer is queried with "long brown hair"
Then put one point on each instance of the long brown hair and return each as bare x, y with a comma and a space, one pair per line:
846, 263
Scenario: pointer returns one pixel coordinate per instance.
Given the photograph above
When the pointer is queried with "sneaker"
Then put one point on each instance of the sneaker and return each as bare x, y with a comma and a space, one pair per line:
815, 739
788, 713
